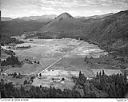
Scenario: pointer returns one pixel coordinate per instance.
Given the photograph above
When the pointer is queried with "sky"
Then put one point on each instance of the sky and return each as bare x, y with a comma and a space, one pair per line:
21, 8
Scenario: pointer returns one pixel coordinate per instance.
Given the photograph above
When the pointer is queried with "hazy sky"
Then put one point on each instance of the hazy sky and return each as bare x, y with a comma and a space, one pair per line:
20, 8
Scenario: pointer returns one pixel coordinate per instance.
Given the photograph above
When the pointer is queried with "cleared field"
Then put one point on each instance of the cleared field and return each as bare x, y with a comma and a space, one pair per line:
63, 58
48, 51
26, 69
86, 49
74, 64
54, 78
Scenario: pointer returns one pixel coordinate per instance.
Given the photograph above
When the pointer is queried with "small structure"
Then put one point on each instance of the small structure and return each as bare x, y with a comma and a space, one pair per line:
89, 78
4, 74
62, 79
39, 76
55, 79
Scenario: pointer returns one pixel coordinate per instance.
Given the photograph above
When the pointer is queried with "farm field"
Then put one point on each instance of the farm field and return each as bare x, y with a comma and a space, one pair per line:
48, 51
58, 59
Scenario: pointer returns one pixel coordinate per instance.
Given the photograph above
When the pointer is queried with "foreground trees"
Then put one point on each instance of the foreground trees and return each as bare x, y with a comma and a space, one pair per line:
101, 86
114, 85
12, 60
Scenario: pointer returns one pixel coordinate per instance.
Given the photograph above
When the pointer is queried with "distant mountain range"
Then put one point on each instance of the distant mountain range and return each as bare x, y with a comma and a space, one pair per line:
43, 18
109, 30
6, 18
95, 16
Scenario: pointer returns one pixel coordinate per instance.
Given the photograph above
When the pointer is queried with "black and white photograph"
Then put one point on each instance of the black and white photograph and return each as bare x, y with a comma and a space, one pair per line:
64, 49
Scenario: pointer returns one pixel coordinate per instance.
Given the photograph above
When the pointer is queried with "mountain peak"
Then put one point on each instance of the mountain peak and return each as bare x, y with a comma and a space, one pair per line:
64, 15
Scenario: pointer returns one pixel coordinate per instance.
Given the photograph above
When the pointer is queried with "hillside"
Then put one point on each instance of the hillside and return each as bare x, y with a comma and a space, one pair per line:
113, 26
95, 28
18, 27
109, 31
63, 23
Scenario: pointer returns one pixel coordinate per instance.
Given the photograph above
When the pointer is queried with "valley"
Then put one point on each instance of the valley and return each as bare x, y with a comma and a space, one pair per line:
57, 59
72, 57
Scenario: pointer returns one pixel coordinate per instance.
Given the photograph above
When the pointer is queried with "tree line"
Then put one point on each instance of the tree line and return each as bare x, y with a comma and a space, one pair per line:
115, 86
11, 60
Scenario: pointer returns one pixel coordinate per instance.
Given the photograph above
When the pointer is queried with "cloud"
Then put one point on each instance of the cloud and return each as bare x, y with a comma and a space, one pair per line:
19, 8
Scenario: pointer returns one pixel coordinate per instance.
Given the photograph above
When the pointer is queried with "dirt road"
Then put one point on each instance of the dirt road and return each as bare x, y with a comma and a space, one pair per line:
59, 59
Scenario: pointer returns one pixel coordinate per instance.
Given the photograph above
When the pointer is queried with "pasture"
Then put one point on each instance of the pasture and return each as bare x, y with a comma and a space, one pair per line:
58, 58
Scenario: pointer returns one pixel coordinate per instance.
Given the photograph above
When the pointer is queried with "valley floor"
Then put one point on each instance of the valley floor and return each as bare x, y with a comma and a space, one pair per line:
59, 60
